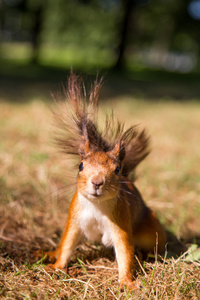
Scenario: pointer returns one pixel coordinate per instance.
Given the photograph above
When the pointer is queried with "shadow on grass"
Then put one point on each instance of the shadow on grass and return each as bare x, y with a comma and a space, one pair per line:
21, 82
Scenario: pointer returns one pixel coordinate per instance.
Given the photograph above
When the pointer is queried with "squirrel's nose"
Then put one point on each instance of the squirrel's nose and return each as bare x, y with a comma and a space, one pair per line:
97, 182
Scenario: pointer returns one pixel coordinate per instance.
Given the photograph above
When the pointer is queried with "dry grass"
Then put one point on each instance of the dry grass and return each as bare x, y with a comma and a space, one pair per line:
35, 190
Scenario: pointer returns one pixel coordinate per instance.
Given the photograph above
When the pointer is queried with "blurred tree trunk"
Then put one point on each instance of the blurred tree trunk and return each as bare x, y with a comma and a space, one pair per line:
128, 7
36, 31
1, 17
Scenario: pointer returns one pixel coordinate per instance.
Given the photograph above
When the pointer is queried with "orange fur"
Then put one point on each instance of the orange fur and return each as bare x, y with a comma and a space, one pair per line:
106, 206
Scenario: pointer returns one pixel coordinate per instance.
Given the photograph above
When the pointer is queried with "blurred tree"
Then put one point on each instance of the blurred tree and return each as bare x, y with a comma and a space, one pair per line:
2, 6
123, 28
186, 30
128, 8
36, 9
21, 20
177, 31
86, 23
128, 24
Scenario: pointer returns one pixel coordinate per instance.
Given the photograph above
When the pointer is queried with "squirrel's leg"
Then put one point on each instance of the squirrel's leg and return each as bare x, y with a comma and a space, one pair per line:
150, 234
70, 238
69, 241
124, 250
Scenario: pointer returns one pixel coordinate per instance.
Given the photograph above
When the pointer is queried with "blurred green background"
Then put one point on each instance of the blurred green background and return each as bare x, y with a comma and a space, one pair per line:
143, 47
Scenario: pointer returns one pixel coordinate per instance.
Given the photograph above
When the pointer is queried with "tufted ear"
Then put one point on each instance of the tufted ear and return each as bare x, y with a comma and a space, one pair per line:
118, 152
84, 148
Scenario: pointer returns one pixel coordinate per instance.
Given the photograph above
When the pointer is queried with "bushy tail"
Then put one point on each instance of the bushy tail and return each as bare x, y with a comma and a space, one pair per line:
77, 119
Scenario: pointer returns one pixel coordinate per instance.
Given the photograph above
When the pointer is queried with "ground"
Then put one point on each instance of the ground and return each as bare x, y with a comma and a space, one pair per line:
36, 186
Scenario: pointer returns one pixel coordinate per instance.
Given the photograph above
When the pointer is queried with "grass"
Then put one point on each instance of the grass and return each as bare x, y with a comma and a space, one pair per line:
36, 186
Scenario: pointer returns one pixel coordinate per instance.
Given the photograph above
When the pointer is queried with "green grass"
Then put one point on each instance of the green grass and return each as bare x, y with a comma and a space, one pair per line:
59, 57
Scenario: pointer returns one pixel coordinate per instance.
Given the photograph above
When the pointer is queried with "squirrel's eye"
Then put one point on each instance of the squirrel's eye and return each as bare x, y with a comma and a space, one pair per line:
117, 170
81, 167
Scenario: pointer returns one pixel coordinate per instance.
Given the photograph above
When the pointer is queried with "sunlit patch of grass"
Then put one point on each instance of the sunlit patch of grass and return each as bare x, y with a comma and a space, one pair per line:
36, 187
64, 57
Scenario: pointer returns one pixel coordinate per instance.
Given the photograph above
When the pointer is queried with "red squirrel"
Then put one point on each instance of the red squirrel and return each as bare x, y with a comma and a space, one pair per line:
106, 207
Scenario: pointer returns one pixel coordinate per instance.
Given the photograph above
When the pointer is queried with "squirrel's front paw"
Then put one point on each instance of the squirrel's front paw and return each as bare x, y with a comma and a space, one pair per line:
47, 255
132, 285
38, 254
53, 267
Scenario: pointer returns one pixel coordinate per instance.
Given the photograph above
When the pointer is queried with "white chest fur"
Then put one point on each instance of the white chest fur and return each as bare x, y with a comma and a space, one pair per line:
93, 223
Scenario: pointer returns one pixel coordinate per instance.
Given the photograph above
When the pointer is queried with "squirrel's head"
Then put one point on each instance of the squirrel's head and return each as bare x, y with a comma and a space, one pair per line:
99, 171
101, 150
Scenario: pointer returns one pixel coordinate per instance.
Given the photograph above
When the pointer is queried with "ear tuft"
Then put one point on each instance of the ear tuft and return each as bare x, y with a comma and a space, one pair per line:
118, 152
84, 148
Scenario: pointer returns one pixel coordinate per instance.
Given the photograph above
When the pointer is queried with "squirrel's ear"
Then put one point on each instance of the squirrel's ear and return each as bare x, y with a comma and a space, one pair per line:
84, 148
118, 152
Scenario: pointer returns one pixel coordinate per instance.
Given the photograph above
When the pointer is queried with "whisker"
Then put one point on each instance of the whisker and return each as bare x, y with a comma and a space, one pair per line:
120, 181
122, 189
110, 188
122, 198
58, 173
59, 191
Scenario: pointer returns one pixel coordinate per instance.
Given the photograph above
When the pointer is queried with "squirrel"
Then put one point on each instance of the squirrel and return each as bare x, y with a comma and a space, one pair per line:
106, 206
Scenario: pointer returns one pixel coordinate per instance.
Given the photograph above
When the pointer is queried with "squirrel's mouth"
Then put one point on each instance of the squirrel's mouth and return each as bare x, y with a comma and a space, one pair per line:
96, 194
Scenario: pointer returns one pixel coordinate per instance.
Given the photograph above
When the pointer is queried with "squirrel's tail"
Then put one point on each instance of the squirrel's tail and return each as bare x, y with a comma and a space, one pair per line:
77, 119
